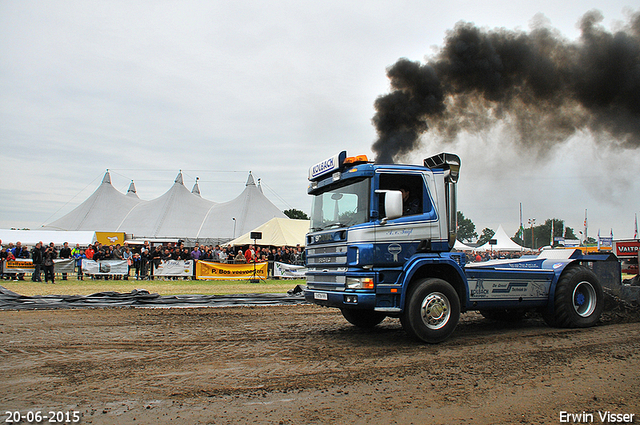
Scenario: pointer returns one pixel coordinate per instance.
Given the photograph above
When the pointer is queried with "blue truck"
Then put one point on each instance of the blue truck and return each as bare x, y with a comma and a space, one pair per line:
380, 244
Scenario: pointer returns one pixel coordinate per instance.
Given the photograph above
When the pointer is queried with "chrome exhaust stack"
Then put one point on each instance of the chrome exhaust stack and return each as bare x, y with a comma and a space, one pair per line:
450, 163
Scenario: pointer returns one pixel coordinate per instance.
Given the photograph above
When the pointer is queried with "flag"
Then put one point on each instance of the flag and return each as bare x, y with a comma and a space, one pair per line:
635, 233
585, 225
598, 239
521, 230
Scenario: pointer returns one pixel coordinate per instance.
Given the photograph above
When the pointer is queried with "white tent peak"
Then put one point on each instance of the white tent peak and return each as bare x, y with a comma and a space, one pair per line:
102, 211
196, 188
179, 178
459, 246
277, 232
132, 190
503, 243
250, 180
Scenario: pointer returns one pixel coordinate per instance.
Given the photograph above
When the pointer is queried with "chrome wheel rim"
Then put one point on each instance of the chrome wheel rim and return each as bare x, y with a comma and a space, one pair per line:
435, 310
584, 299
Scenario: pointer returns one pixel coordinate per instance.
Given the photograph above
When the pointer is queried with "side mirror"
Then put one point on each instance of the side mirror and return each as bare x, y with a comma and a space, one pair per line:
392, 204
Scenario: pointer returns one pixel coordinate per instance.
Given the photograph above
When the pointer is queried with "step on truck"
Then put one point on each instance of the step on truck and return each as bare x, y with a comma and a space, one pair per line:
380, 244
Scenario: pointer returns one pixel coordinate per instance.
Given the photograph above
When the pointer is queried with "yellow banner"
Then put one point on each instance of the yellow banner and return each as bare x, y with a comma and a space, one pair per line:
219, 271
110, 238
18, 266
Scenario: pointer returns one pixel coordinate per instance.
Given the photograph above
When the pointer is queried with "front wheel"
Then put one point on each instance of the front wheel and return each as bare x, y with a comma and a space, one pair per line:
432, 311
578, 300
362, 318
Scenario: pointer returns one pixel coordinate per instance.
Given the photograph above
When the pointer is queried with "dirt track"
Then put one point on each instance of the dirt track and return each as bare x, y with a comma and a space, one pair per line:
305, 364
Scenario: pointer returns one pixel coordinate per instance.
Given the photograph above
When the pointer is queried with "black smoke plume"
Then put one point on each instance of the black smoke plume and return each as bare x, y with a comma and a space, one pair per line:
541, 85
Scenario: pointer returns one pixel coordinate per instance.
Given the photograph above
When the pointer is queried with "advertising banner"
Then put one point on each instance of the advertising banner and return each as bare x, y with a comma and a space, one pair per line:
61, 265
105, 267
174, 268
110, 238
288, 270
220, 271
64, 265
627, 249
605, 242
18, 266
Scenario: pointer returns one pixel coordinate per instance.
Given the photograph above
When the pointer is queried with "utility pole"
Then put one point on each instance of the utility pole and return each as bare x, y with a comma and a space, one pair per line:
531, 222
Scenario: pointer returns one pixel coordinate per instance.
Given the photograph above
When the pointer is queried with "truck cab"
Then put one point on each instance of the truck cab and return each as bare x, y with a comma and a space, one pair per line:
369, 221
380, 245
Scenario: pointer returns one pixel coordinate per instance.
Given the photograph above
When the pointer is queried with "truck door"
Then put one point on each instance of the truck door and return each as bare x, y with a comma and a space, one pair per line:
398, 239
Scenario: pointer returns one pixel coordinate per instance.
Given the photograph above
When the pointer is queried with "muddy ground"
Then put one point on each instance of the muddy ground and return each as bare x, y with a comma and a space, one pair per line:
304, 364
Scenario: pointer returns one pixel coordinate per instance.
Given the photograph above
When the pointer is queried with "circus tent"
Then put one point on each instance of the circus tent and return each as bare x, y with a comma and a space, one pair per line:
178, 213
240, 215
277, 232
503, 243
104, 210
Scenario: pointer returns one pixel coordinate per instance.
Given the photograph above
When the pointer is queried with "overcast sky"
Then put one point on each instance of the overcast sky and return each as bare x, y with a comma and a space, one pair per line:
217, 89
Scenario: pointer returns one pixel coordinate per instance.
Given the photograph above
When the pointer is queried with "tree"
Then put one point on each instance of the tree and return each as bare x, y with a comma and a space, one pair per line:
486, 236
296, 214
590, 241
569, 234
542, 234
466, 228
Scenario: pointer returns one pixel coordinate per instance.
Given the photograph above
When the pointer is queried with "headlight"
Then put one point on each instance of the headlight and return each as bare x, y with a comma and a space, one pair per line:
359, 283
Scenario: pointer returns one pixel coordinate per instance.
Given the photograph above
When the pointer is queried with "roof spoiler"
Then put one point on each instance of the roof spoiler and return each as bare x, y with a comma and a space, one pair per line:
445, 161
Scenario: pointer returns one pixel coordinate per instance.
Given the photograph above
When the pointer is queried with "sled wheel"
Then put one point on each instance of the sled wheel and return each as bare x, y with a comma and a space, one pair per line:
362, 318
579, 300
432, 311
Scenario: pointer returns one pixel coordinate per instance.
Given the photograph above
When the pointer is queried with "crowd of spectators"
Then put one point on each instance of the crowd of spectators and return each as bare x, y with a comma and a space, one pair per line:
478, 256
141, 258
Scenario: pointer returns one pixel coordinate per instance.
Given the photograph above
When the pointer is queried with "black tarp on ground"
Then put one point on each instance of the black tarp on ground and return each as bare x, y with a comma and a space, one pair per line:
10, 300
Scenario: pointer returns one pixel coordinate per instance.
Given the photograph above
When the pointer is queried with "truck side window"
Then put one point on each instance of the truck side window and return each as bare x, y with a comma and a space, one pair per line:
412, 188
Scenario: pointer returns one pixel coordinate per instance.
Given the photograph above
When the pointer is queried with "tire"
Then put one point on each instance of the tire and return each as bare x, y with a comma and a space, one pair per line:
365, 319
504, 315
432, 311
578, 301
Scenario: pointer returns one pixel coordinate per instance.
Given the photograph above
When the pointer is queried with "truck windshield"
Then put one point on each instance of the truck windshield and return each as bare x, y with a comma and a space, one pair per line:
341, 206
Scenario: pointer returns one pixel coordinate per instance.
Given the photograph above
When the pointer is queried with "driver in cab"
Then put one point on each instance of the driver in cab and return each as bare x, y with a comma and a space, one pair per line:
410, 204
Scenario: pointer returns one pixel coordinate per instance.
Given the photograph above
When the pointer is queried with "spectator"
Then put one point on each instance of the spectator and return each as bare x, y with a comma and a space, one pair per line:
136, 261
196, 253
156, 258
19, 252
249, 254
79, 255
3, 257
224, 256
65, 252
89, 252
50, 254
145, 260
127, 256
37, 258
240, 258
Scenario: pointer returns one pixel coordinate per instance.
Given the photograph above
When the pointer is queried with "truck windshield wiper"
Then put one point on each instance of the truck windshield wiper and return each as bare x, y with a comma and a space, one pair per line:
335, 224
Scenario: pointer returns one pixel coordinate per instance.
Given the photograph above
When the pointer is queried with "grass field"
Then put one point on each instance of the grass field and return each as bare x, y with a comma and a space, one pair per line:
72, 286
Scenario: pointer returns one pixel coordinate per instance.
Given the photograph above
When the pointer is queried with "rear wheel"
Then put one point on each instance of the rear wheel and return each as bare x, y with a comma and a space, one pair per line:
432, 311
578, 301
362, 318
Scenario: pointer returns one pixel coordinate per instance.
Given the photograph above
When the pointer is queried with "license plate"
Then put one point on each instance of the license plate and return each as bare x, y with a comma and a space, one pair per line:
319, 296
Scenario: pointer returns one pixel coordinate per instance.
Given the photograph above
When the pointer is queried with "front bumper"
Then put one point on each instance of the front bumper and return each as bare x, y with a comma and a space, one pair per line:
341, 299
